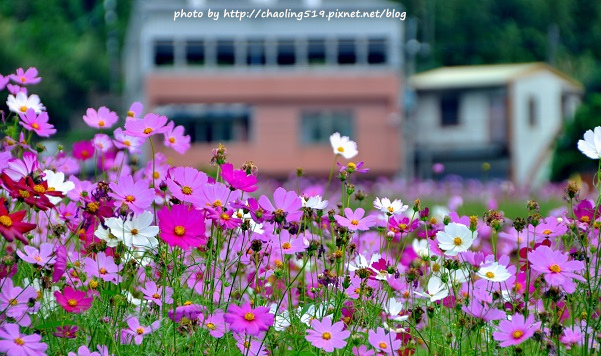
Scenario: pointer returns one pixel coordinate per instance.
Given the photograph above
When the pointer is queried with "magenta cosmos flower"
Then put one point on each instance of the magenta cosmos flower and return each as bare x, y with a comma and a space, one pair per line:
384, 342
137, 196
326, 336
249, 320
286, 205
14, 343
516, 331
182, 226
238, 179
37, 123
73, 301
83, 150
354, 220
101, 119
150, 125
556, 268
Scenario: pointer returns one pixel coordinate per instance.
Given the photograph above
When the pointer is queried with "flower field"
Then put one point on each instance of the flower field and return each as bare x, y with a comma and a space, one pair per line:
150, 259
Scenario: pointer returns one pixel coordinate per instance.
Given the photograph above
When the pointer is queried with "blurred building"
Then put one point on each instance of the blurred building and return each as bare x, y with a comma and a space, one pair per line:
271, 89
508, 116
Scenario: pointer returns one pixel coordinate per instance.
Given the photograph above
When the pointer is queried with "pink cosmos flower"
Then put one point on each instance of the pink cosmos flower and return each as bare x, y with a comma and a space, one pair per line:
136, 331
137, 196
14, 300
476, 309
290, 244
84, 351
186, 183
326, 336
215, 324
354, 220
12, 342
556, 268
362, 351
135, 110
104, 267
224, 218
30, 76
249, 320
37, 123
175, 138
216, 196
128, 142
102, 142
73, 301
384, 342
516, 331
182, 226
151, 124
43, 257
16, 89
19, 168
60, 265
101, 119
83, 150
3, 82
154, 293
238, 179
287, 206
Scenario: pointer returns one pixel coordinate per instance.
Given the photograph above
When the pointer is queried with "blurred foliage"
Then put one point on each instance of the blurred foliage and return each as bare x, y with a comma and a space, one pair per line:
464, 32
567, 159
66, 41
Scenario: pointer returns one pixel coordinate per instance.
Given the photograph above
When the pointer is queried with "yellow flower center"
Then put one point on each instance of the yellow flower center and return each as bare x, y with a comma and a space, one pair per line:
134, 231
101, 123
555, 268
37, 258
24, 194
38, 188
326, 336
278, 263
340, 149
383, 345
187, 302
249, 316
351, 165
436, 267
211, 326
51, 189
6, 221
172, 139
517, 334
147, 130
547, 232
23, 108
85, 153
187, 190
225, 216
130, 198
390, 209
72, 302
217, 203
402, 227
127, 143
585, 219
286, 245
23, 79
130, 113
156, 175
13, 302
93, 284
102, 270
179, 230
19, 341
156, 296
457, 241
140, 331
490, 275
35, 126
355, 222
92, 207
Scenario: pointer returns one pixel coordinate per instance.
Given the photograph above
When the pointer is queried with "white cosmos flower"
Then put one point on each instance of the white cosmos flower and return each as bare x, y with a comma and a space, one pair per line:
136, 232
361, 262
591, 145
437, 290
455, 238
281, 320
56, 182
315, 202
387, 207
342, 145
393, 309
459, 276
315, 312
421, 247
21, 102
105, 234
494, 272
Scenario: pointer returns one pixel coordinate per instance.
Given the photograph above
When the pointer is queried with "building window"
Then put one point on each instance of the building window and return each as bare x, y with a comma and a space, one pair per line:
347, 53
195, 53
532, 111
225, 53
255, 53
377, 51
164, 53
449, 110
215, 123
286, 52
316, 52
318, 125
